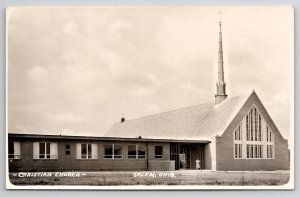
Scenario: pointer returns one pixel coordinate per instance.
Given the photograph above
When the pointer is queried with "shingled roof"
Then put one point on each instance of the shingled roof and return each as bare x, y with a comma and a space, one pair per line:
198, 122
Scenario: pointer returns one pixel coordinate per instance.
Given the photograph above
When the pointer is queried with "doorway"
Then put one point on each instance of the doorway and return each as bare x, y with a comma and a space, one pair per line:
185, 155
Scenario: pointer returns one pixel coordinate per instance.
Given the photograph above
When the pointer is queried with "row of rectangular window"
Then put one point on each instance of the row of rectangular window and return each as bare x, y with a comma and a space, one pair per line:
253, 151
47, 150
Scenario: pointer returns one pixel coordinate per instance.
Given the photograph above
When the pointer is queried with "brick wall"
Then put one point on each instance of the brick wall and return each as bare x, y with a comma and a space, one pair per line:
69, 162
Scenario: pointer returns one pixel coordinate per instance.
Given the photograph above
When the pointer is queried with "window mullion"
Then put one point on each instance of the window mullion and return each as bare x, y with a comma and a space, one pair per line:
45, 156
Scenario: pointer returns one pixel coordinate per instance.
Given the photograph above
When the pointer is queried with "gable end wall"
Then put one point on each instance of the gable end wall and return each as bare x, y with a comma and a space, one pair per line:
225, 145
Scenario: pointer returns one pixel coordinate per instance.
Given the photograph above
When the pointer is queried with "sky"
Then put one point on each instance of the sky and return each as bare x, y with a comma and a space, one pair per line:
77, 71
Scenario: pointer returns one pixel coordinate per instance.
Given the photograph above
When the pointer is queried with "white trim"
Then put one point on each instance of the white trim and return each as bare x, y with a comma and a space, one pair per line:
53, 152
36, 150
94, 151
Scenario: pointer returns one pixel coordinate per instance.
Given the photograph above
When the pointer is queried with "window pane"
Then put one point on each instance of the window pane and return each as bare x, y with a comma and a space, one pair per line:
108, 151
48, 148
235, 151
248, 151
251, 124
247, 127
89, 151
259, 128
42, 150
158, 151
118, 151
83, 151
132, 151
11, 148
141, 151
68, 147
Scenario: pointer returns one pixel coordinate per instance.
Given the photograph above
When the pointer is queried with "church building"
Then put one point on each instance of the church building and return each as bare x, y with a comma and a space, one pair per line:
229, 134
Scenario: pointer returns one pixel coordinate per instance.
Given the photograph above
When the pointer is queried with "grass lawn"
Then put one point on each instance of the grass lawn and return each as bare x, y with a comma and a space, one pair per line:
187, 177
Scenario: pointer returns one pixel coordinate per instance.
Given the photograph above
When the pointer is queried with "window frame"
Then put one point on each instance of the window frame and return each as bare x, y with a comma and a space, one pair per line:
46, 154
137, 155
113, 152
14, 156
68, 149
88, 148
51, 155
238, 151
94, 151
156, 156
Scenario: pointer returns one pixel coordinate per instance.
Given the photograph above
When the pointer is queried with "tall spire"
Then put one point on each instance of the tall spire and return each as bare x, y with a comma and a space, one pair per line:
221, 85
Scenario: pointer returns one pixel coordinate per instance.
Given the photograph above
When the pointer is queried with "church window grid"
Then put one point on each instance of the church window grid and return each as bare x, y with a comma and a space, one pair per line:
254, 151
237, 151
258, 141
253, 125
238, 133
270, 143
270, 151
270, 135
247, 127
238, 142
259, 128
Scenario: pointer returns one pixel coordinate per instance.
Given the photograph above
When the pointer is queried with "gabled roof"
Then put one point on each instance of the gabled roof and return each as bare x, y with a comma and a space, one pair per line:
199, 122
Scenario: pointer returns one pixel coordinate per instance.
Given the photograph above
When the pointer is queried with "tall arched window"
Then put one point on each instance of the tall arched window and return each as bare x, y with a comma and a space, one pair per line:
253, 125
253, 139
